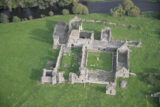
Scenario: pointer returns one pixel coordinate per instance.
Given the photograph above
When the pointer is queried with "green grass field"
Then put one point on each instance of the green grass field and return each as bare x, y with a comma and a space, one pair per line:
25, 48
102, 61
71, 62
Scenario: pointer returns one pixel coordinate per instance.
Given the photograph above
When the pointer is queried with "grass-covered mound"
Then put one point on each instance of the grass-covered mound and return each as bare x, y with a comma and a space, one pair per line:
25, 47
102, 61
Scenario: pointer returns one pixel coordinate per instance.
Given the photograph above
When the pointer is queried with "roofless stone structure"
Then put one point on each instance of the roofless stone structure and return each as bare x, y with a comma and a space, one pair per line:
67, 36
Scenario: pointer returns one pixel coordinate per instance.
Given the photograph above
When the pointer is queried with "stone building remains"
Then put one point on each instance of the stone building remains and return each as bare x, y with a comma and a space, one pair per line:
67, 36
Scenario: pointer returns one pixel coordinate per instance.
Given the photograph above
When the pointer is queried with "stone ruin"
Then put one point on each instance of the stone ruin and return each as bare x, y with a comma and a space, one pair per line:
156, 95
67, 36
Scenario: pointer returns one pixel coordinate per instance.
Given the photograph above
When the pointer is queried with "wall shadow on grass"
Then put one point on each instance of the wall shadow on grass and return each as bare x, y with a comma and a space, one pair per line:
51, 56
44, 35
101, 89
37, 72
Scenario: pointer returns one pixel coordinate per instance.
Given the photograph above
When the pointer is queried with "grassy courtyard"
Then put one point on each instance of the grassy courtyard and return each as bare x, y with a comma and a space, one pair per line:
25, 48
70, 62
102, 61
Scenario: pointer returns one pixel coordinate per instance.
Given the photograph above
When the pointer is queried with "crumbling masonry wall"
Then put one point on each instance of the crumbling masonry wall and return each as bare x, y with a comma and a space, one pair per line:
76, 37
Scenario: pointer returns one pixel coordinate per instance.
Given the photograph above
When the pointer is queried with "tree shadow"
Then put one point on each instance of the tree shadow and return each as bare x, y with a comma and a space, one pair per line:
151, 76
157, 31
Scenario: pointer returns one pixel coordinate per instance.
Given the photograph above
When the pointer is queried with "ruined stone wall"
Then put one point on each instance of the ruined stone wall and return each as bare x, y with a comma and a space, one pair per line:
110, 23
106, 34
59, 58
44, 78
84, 57
100, 76
60, 77
134, 43
122, 67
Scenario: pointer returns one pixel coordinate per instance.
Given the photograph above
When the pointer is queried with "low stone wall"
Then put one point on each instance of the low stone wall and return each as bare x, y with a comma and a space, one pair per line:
134, 43
84, 57
46, 79
59, 58
111, 23
100, 76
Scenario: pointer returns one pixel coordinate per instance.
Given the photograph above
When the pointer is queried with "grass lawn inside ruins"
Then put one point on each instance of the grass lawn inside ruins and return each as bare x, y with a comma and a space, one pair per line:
102, 61
70, 62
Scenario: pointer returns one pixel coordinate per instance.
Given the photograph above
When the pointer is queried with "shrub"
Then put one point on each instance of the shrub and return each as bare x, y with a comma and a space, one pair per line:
118, 11
30, 17
51, 13
158, 16
80, 9
135, 11
16, 19
85, 10
25, 19
113, 13
3, 18
65, 12
127, 8
127, 5
64, 3
42, 15
139, 28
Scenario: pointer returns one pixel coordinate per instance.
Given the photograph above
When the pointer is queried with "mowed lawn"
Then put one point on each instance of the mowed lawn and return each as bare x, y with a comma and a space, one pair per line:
70, 62
25, 48
102, 61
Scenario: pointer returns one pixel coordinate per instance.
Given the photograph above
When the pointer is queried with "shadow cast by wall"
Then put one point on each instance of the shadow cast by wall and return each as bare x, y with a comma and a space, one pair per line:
44, 35
101, 89
37, 72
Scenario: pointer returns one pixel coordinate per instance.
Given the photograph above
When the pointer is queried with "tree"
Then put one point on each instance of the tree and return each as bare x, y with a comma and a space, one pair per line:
135, 11
152, 78
3, 18
118, 11
51, 13
127, 5
42, 4
16, 19
158, 15
63, 3
127, 8
85, 10
113, 13
65, 12
80, 9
